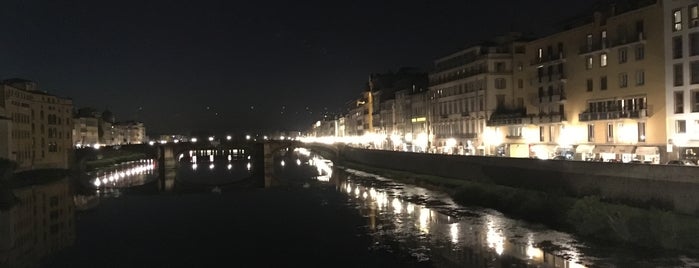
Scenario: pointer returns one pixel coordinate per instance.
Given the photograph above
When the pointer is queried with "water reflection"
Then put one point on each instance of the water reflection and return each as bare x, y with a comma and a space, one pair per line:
125, 175
436, 233
40, 222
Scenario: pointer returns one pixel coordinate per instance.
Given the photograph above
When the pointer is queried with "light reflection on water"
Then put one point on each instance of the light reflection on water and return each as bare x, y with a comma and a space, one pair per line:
434, 236
125, 175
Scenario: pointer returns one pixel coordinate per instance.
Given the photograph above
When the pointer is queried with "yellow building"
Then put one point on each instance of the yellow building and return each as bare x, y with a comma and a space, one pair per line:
594, 91
41, 126
465, 89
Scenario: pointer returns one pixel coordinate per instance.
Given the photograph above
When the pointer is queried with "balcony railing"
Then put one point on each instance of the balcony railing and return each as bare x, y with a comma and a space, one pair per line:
620, 41
597, 46
530, 119
594, 116
553, 58
557, 96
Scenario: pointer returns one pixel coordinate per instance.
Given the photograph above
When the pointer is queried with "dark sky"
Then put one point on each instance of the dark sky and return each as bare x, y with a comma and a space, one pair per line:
240, 65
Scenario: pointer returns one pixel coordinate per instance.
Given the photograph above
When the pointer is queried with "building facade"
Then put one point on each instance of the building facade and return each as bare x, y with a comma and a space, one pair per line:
466, 88
592, 92
681, 27
41, 125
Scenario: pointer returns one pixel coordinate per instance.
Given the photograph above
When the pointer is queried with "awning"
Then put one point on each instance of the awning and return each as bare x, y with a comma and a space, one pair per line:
584, 149
623, 149
603, 149
647, 150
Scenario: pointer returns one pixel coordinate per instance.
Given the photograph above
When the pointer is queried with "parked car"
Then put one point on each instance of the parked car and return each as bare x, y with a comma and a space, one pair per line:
681, 163
559, 157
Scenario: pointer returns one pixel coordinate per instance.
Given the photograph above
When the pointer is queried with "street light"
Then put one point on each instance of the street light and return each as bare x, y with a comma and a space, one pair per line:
228, 137
194, 139
211, 138
247, 137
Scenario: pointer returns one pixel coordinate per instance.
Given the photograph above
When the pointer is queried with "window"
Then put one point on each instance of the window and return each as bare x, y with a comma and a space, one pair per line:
623, 55
640, 77
603, 83
676, 20
695, 100
520, 83
693, 16
678, 74
499, 66
623, 80
694, 72
520, 102
500, 98
640, 52
514, 132
541, 134
589, 85
679, 102
642, 131
677, 47
500, 83
588, 62
610, 132
603, 38
540, 73
680, 126
588, 40
603, 60
540, 54
590, 132
550, 72
694, 44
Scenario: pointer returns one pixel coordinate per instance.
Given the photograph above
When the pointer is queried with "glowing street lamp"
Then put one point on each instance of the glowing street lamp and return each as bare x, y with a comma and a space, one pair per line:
247, 137
228, 137
194, 140
211, 138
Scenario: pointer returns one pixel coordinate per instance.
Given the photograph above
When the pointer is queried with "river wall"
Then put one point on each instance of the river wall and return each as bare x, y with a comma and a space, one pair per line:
669, 187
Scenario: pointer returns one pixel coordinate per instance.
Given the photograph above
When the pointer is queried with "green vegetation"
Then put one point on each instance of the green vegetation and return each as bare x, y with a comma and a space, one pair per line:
111, 158
589, 217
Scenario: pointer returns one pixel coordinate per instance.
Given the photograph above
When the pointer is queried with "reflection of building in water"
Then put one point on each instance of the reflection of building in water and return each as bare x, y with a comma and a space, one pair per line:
41, 222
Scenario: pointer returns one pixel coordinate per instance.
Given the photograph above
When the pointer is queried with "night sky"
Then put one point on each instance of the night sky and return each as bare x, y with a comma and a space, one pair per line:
241, 65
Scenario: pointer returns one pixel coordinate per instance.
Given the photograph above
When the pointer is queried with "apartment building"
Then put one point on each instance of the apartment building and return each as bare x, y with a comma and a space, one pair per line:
592, 92
41, 125
466, 88
681, 27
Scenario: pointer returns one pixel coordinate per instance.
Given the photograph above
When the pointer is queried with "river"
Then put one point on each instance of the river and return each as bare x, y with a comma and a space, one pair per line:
214, 211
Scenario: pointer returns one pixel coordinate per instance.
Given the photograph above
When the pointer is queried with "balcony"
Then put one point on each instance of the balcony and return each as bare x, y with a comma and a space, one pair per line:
612, 115
506, 117
457, 136
590, 48
557, 96
637, 38
548, 59
546, 118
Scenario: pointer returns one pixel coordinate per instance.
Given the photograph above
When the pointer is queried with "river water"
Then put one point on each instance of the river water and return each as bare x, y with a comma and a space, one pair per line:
215, 211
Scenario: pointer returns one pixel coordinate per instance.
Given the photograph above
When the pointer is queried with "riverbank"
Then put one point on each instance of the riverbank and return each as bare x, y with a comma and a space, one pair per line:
589, 217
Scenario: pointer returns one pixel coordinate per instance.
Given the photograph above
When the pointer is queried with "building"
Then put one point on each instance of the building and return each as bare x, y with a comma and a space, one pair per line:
41, 126
592, 92
85, 128
131, 132
466, 88
681, 28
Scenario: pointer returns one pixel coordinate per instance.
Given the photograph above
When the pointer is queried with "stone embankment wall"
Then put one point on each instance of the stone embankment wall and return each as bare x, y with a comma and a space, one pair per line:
670, 187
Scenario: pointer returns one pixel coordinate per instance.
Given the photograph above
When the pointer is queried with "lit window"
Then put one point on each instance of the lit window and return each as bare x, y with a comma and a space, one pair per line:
677, 20
603, 60
693, 16
588, 62
642, 131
